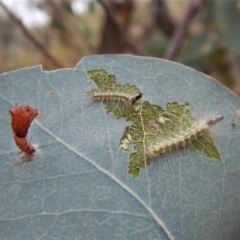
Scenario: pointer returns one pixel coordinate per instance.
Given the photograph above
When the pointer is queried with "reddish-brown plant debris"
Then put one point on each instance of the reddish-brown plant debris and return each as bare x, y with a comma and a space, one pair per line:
22, 118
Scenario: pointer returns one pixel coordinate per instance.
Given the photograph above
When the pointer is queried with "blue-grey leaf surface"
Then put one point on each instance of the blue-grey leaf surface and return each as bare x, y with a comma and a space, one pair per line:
77, 186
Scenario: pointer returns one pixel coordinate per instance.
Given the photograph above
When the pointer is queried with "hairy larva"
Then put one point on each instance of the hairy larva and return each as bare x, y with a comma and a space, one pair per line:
22, 118
115, 97
185, 137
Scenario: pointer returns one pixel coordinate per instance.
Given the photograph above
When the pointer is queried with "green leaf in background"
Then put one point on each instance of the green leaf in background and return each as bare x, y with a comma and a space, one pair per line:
78, 186
156, 45
227, 15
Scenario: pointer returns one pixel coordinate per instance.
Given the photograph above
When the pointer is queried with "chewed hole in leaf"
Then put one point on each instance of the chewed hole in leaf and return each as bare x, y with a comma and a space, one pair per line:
154, 131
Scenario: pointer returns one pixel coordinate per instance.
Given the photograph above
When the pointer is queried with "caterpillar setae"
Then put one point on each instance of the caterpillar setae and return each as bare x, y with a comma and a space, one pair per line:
115, 97
184, 138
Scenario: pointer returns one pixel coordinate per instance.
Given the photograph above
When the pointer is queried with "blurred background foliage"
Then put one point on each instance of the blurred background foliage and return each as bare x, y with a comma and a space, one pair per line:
202, 34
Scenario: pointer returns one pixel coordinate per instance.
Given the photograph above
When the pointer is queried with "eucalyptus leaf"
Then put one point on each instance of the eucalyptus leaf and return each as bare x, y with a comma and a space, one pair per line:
77, 186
